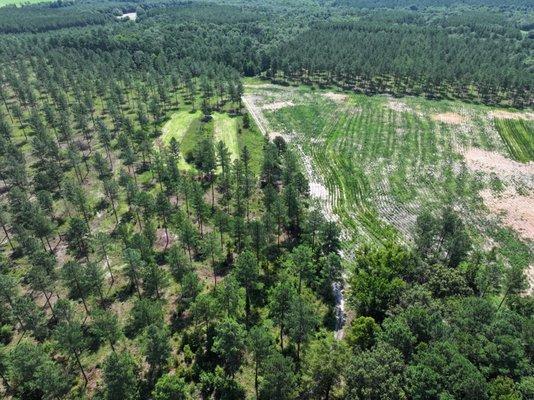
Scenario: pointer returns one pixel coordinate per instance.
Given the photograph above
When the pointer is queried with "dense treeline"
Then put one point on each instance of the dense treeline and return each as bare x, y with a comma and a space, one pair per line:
409, 59
133, 266
474, 54
45, 18
513, 4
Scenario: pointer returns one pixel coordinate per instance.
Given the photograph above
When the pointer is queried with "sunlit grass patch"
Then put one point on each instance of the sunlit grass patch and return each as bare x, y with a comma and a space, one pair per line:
178, 125
225, 129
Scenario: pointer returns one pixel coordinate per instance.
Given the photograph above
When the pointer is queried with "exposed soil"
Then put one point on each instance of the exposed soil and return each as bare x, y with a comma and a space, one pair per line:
398, 105
277, 105
60, 250
121, 309
336, 97
161, 239
490, 161
317, 189
516, 211
250, 103
94, 375
501, 114
449, 118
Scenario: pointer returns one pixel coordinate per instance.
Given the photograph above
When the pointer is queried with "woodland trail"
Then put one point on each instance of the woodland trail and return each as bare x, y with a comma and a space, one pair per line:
319, 192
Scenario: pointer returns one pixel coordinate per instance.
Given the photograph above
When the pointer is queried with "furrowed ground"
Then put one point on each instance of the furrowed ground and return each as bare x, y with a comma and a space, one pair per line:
381, 159
517, 134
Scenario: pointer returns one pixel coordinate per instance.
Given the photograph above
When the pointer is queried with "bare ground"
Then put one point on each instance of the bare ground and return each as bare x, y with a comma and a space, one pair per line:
317, 189
277, 105
492, 162
449, 118
516, 211
336, 97
250, 103
502, 114
398, 105
161, 239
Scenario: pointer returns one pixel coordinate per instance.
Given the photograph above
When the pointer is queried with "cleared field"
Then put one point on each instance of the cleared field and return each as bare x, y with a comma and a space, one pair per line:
178, 126
377, 162
518, 135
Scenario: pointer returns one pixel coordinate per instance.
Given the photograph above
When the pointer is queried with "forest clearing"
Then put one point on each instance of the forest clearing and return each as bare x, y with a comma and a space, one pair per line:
381, 161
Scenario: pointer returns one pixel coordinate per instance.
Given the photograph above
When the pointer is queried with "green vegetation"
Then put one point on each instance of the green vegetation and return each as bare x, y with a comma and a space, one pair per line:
21, 2
158, 240
384, 160
519, 138
225, 129
178, 125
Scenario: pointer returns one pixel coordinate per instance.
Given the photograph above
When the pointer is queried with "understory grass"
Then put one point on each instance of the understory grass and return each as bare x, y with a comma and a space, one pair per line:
225, 129
178, 124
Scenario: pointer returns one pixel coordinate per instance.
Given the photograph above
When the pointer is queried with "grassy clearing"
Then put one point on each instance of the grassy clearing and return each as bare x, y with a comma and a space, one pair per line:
188, 128
225, 129
182, 125
518, 136
254, 140
178, 125
383, 160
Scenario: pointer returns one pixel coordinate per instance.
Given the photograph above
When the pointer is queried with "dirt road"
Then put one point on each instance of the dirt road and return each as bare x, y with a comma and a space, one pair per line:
317, 191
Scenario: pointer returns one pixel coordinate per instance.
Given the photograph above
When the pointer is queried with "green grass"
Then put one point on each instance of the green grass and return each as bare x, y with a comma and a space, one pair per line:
518, 136
254, 140
225, 129
178, 125
188, 129
182, 126
384, 160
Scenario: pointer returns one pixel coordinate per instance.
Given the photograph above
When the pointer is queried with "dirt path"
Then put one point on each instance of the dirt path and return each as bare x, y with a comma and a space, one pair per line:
257, 115
319, 192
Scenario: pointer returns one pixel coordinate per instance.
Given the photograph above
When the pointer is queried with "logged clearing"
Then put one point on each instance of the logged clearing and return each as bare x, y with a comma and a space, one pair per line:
376, 162
225, 129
